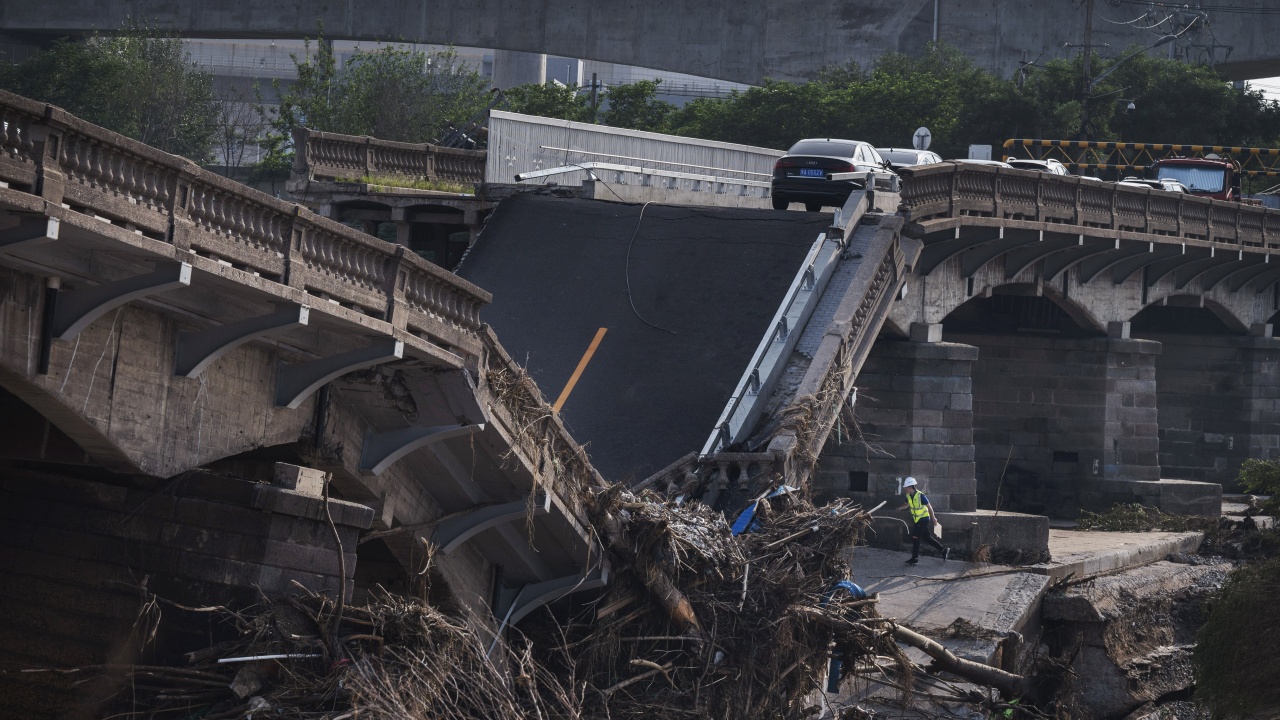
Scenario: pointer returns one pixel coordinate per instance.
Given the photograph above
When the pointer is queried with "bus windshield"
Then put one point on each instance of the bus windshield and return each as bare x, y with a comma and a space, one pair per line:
1198, 179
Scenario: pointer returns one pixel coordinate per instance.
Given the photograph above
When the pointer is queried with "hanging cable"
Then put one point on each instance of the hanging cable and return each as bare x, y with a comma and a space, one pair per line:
627, 273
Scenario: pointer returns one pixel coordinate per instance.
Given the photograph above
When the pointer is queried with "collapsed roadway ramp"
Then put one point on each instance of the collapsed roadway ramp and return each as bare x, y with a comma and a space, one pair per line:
678, 333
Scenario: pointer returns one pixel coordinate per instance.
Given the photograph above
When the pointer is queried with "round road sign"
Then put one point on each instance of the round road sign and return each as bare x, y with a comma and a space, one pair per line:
920, 140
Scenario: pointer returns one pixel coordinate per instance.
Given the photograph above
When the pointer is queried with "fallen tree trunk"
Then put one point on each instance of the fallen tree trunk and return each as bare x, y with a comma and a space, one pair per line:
1009, 684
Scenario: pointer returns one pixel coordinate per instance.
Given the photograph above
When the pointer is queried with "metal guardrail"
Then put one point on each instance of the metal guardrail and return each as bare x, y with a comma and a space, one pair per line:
953, 190
332, 156
48, 153
1089, 155
770, 358
637, 170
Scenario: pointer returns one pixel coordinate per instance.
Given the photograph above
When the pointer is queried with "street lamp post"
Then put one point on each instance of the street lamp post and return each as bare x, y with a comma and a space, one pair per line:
1091, 83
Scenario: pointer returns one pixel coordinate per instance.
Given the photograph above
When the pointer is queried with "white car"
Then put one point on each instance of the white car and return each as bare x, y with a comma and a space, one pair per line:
1053, 167
901, 157
993, 163
1165, 184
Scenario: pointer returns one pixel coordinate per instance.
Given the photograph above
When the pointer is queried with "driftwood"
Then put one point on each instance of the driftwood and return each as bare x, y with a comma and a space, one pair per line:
1008, 684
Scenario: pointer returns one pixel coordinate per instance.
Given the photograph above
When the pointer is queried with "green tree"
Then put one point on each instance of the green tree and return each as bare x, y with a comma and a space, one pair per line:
141, 83
553, 100
391, 93
636, 106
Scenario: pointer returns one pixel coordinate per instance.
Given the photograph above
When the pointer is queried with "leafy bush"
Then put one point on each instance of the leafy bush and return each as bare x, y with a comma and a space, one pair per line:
1262, 477
1136, 517
1237, 653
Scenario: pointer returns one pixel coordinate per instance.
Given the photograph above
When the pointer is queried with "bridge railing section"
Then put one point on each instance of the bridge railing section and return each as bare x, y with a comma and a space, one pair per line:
332, 156
526, 144
949, 190
66, 161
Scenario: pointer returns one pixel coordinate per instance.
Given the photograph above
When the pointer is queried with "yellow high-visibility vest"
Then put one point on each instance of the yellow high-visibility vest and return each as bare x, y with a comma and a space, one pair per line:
919, 510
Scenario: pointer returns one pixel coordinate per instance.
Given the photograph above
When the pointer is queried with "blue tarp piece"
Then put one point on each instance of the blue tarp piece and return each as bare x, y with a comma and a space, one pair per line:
854, 589
747, 522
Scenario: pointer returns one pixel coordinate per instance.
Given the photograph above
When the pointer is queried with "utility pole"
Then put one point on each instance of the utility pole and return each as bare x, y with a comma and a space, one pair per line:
1088, 57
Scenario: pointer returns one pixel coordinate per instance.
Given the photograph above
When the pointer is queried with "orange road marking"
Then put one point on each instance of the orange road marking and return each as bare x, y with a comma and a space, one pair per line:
577, 372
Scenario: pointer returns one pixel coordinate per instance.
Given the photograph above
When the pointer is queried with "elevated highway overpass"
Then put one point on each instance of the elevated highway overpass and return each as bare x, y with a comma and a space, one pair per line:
789, 40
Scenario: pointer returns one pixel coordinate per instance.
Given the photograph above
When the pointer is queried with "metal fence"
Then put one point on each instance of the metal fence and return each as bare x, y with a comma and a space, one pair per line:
526, 144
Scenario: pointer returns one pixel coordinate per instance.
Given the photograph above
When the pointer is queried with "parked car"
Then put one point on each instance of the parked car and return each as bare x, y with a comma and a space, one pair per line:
993, 163
1053, 167
1165, 184
804, 174
899, 157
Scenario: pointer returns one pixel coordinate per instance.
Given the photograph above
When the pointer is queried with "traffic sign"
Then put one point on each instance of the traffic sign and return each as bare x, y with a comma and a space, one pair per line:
920, 140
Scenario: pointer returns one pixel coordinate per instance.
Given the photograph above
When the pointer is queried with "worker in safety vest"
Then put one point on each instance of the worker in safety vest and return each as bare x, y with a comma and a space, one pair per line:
922, 520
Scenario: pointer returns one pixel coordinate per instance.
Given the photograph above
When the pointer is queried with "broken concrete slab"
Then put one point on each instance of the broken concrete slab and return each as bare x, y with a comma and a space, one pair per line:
969, 608
1131, 632
1082, 553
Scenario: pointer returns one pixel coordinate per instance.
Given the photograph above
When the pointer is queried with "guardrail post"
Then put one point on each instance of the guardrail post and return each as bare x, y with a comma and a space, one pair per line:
294, 266
51, 182
179, 217
366, 148
397, 312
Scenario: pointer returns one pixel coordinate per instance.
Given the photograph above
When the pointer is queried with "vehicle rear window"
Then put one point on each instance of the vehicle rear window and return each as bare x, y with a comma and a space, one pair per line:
822, 147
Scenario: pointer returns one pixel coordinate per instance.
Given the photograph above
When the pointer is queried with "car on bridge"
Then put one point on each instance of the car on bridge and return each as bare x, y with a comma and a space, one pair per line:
901, 157
1051, 166
804, 174
974, 161
1165, 184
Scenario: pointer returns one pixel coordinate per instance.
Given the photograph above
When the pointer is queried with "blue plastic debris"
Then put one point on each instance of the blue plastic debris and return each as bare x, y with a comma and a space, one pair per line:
854, 589
746, 520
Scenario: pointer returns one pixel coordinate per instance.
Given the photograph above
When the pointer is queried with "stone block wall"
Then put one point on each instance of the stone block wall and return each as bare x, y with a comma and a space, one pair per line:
912, 417
1052, 415
74, 552
1219, 401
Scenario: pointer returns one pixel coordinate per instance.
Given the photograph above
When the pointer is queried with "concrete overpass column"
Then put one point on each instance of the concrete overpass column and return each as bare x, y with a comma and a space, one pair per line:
913, 416
511, 68
1219, 401
1063, 423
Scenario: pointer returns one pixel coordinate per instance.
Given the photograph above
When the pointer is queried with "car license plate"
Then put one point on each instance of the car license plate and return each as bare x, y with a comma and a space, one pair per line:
812, 172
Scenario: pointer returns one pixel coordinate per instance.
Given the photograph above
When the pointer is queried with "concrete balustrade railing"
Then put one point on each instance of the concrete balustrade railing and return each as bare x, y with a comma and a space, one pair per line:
331, 156
951, 190
67, 161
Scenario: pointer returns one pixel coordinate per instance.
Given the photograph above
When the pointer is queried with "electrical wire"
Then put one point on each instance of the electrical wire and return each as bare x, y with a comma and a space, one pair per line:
627, 272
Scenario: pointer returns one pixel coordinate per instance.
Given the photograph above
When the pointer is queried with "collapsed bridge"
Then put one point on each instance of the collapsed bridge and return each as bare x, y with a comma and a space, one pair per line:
197, 375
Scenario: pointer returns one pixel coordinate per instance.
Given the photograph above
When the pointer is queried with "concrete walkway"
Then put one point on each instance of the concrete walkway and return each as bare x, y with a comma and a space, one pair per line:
993, 600
931, 596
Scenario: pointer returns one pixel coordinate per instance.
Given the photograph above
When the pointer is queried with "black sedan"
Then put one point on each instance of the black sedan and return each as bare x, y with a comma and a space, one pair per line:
803, 175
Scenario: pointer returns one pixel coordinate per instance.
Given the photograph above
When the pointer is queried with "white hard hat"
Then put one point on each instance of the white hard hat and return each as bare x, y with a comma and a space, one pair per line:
909, 482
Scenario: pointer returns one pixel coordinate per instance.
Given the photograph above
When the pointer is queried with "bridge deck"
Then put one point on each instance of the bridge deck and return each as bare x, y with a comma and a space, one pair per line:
559, 269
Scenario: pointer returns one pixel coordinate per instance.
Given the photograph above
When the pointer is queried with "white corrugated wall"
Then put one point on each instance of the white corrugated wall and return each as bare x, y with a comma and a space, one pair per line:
524, 143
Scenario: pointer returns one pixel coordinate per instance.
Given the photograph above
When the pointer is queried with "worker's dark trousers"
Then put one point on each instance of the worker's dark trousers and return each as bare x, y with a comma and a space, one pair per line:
923, 528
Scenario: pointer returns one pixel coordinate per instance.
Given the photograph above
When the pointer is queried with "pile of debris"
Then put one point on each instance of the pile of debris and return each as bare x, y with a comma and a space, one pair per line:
701, 619
310, 657
707, 620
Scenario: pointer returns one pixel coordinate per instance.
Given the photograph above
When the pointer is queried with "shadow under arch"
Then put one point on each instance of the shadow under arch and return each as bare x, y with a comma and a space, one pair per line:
1188, 314
69, 422
1022, 308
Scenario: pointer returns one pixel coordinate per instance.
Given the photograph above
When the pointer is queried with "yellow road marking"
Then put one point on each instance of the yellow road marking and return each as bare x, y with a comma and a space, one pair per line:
577, 372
